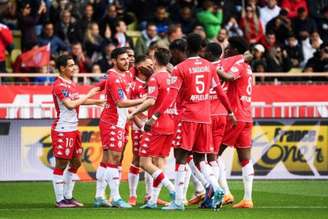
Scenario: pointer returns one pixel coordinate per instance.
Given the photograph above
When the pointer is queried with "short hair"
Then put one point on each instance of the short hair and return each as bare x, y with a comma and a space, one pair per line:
141, 58
117, 52
195, 42
150, 23
162, 56
118, 21
173, 28
62, 61
214, 49
238, 43
179, 44
283, 12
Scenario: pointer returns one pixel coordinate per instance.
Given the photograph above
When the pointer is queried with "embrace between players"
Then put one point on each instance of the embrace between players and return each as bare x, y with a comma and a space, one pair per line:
185, 107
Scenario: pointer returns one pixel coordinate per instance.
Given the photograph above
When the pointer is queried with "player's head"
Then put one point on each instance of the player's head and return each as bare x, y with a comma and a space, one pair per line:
237, 45
144, 65
131, 56
120, 59
65, 65
162, 57
213, 52
194, 42
178, 49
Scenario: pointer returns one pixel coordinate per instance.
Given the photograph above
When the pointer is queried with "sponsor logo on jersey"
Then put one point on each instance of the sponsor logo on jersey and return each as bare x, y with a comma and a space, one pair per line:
65, 92
120, 93
151, 89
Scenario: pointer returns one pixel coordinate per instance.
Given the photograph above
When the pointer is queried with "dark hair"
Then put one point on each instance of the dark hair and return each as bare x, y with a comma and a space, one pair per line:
195, 42
141, 58
150, 23
118, 21
162, 56
213, 51
179, 44
117, 52
301, 10
283, 12
62, 61
173, 28
238, 43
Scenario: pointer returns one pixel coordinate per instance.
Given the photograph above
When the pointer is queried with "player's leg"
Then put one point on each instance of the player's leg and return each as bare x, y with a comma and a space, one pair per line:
199, 190
243, 146
212, 161
69, 176
133, 179
186, 184
101, 182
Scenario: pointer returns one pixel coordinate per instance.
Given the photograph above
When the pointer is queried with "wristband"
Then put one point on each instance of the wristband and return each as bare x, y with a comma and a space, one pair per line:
231, 114
154, 117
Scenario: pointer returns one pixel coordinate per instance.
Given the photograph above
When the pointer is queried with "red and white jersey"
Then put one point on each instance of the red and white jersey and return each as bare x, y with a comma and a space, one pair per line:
194, 78
115, 90
138, 90
217, 108
240, 89
67, 119
158, 89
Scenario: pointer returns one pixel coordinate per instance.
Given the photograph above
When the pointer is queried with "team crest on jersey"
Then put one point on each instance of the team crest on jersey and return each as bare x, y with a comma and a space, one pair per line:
120, 93
234, 69
151, 89
65, 92
172, 80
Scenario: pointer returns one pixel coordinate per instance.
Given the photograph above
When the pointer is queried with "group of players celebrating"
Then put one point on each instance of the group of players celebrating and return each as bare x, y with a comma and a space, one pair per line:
198, 107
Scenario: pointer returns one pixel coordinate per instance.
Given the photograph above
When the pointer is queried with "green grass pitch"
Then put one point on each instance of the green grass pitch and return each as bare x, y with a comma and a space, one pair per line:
272, 199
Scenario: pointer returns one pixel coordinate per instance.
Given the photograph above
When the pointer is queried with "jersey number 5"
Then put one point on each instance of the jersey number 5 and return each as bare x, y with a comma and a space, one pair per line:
200, 85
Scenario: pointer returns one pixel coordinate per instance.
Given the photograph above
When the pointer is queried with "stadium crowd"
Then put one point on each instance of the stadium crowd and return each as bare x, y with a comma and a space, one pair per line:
286, 35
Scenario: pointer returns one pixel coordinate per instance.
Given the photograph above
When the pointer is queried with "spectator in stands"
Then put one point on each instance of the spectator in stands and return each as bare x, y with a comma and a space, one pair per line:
186, 19
8, 14
251, 25
120, 34
319, 62
178, 49
268, 12
48, 36
258, 57
323, 24
233, 28
309, 44
278, 60
281, 26
105, 62
294, 51
148, 36
211, 18
174, 32
161, 20
67, 29
109, 20
6, 43
199, 29
260, 67
28, 20
79, 58
269, 40
293, 5
94, 43
88, 18
303, 22
222, 38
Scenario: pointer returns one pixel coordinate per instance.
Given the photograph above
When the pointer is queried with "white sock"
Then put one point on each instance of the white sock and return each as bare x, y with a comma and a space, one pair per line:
199, 188
101, 181
215, 169
133, 179
195, 171
209, 175
149, 184
69, 184
248, 176
58, 183
155, 194
165, 181
186, 182
180, 175
222, 177
113, 179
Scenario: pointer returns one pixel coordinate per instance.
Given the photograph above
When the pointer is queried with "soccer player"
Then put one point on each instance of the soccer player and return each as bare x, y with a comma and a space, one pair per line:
156, 144
192, 80
239, 75
143, 69
66, 139
112, 129
219, 114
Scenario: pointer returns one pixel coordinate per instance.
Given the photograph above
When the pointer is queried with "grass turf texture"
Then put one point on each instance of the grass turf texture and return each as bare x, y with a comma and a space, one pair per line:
272, 199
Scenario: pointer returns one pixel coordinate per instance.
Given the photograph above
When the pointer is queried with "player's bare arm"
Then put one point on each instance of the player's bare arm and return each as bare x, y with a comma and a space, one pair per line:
71, 104
98, 102
143, 107
129, 103
226, 76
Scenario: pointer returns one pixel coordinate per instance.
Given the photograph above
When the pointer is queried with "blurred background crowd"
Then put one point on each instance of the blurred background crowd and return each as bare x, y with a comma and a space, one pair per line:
285, 35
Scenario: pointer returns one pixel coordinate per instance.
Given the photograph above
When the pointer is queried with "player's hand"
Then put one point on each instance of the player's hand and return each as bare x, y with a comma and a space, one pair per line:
92, 92
144, 98
101, 103
233, 119
149, 123
130, 116
146, 70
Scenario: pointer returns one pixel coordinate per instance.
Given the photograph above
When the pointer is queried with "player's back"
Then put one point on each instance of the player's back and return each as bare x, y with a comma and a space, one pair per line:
67, 119
194, 76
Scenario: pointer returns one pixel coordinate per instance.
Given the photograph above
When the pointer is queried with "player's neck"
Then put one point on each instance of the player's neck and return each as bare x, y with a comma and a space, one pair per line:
118, 71
192, 54
160, 69
65, 78
141, 77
